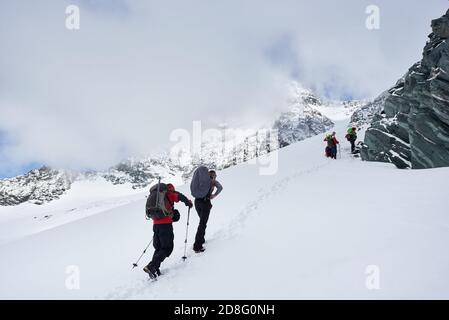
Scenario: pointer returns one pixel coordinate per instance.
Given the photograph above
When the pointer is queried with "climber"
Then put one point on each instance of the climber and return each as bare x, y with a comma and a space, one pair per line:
331, 149
163, 238
351, 136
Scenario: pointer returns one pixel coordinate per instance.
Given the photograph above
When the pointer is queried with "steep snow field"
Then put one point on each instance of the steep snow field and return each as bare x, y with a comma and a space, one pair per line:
309, 231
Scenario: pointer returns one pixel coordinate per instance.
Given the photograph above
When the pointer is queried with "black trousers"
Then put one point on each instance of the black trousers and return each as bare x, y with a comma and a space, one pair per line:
162, 242
203, 208
352, 145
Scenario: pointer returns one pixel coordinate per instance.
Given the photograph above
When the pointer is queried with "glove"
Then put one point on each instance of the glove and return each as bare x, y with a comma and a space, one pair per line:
176, 215
189, 204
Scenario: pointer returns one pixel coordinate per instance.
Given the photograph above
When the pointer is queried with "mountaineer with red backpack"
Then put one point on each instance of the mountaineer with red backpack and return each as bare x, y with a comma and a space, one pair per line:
160, 208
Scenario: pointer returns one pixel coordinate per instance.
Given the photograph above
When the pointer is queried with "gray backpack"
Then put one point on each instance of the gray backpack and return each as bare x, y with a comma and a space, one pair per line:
156, 206
200, 185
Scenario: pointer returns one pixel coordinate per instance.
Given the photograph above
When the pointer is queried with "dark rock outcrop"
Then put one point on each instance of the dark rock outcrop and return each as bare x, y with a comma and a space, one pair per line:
412, 131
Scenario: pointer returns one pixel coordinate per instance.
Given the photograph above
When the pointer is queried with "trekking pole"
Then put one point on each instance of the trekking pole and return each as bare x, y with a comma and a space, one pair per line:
339, 151
135, 264
187, 232
158, 189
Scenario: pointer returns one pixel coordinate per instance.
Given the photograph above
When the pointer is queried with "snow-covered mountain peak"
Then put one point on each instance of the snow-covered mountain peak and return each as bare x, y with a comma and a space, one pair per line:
36, 186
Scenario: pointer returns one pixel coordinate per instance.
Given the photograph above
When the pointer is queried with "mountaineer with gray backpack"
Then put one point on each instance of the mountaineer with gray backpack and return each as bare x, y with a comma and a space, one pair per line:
202, 188
160, 208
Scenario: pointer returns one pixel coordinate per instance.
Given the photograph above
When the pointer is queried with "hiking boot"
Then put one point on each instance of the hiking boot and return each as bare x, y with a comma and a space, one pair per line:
158, 272
202, 249
152, 272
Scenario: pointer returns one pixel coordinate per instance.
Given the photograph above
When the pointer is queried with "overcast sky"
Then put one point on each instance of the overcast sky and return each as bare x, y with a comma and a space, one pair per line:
136, 70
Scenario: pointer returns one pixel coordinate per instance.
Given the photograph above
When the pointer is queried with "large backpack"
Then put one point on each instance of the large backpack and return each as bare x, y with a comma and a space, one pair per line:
200, 185
156, 206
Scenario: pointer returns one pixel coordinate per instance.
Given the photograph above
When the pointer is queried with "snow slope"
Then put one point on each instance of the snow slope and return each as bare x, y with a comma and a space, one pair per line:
86, 198
309, 231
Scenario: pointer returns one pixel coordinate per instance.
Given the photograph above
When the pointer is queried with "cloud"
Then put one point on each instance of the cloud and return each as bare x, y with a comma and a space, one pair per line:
136, 70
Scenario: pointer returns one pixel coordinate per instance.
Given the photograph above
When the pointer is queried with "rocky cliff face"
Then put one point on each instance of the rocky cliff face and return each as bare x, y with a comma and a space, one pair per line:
412, 130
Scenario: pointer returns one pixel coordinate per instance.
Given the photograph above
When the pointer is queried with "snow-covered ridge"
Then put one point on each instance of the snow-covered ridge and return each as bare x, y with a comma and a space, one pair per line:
367, 112
304, 118
37, 186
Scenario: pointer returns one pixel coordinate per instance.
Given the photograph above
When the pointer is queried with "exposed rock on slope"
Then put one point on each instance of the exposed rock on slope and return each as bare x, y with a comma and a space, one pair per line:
413, 129
37, 186
303, 120
365, 114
